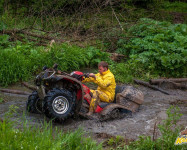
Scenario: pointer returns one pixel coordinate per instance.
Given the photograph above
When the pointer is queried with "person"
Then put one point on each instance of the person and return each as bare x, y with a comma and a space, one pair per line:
106, 86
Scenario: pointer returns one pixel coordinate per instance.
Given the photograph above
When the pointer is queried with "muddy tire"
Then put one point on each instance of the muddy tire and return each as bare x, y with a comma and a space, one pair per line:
33, 103
59, 104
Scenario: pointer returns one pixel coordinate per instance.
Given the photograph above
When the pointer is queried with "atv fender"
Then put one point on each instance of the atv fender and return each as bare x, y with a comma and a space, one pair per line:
78, 102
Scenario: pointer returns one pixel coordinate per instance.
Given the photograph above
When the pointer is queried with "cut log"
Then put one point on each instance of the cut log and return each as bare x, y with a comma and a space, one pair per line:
15, 91
146, 84
30, 87
157, 81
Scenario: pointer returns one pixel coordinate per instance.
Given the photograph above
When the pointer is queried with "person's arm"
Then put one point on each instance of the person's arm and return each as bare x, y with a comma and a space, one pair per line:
90, 79
103, 83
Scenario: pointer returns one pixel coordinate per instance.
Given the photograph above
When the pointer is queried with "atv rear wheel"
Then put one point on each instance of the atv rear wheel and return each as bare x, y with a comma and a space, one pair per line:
33, 104
59, 104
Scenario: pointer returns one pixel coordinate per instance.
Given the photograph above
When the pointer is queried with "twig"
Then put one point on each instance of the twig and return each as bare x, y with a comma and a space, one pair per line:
117, 19
154, 131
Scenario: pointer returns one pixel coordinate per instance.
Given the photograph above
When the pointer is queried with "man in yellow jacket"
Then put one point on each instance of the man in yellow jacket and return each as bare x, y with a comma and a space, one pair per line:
106, 86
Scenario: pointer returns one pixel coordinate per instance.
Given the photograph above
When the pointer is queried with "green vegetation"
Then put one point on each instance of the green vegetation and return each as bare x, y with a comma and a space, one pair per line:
155, 49
44, 137
174, 7
126, 72
21, 61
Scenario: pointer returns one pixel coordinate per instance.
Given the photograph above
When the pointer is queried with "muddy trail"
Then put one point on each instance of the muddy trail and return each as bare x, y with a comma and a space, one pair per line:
152, 112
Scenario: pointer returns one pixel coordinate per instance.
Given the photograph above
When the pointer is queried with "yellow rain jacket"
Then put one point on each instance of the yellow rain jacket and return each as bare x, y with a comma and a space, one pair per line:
106, 83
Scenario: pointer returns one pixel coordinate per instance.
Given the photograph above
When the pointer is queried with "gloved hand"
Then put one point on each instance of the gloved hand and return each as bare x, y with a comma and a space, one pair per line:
92, 75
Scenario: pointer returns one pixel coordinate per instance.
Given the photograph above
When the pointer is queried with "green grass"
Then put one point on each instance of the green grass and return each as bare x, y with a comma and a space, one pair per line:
174, 6
44, 137
16, 135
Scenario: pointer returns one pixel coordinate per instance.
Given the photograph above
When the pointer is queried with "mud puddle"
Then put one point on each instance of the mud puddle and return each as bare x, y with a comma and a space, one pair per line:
142, 122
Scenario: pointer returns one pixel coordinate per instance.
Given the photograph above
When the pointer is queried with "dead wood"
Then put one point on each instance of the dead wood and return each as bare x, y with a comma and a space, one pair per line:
15, 91
176, 85
117, 57
16, 31
146, 84
30, 87
157, 81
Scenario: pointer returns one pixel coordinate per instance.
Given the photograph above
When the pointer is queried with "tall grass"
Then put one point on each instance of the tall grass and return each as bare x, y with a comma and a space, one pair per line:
22, 61
24, 136
43, 138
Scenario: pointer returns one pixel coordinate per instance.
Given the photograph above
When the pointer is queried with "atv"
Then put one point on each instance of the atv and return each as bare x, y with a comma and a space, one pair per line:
60, 96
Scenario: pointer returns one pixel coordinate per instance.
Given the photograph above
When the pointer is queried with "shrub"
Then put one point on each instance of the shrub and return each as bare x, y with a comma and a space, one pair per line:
160, 46
20, 61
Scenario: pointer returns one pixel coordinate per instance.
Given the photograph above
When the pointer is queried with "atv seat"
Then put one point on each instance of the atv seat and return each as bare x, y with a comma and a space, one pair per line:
118, 89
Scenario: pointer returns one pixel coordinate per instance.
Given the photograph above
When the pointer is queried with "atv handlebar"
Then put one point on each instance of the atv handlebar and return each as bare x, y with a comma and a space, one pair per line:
86, 75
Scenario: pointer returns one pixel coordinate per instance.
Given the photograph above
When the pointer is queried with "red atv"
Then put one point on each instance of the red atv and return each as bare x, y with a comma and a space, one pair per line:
60, 95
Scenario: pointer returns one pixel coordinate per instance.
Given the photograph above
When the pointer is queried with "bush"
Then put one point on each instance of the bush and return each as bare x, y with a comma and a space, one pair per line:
21, 61
160, 46
126, 72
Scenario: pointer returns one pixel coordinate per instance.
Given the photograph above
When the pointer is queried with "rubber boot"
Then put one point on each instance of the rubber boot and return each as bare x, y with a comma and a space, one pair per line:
93, 104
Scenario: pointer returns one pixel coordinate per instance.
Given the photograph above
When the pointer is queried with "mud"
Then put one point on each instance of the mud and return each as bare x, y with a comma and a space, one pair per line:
142, 122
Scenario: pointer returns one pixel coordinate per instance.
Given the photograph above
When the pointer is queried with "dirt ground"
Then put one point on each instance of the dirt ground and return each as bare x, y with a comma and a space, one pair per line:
133, 125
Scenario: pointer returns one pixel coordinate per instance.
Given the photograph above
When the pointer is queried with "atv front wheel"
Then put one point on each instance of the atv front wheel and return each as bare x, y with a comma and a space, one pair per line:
33, 104
59, 104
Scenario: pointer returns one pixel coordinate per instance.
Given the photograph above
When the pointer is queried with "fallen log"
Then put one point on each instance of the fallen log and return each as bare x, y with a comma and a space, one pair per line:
177, 85
16, 31
30, 87
157, 81
150, 86
15, 91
